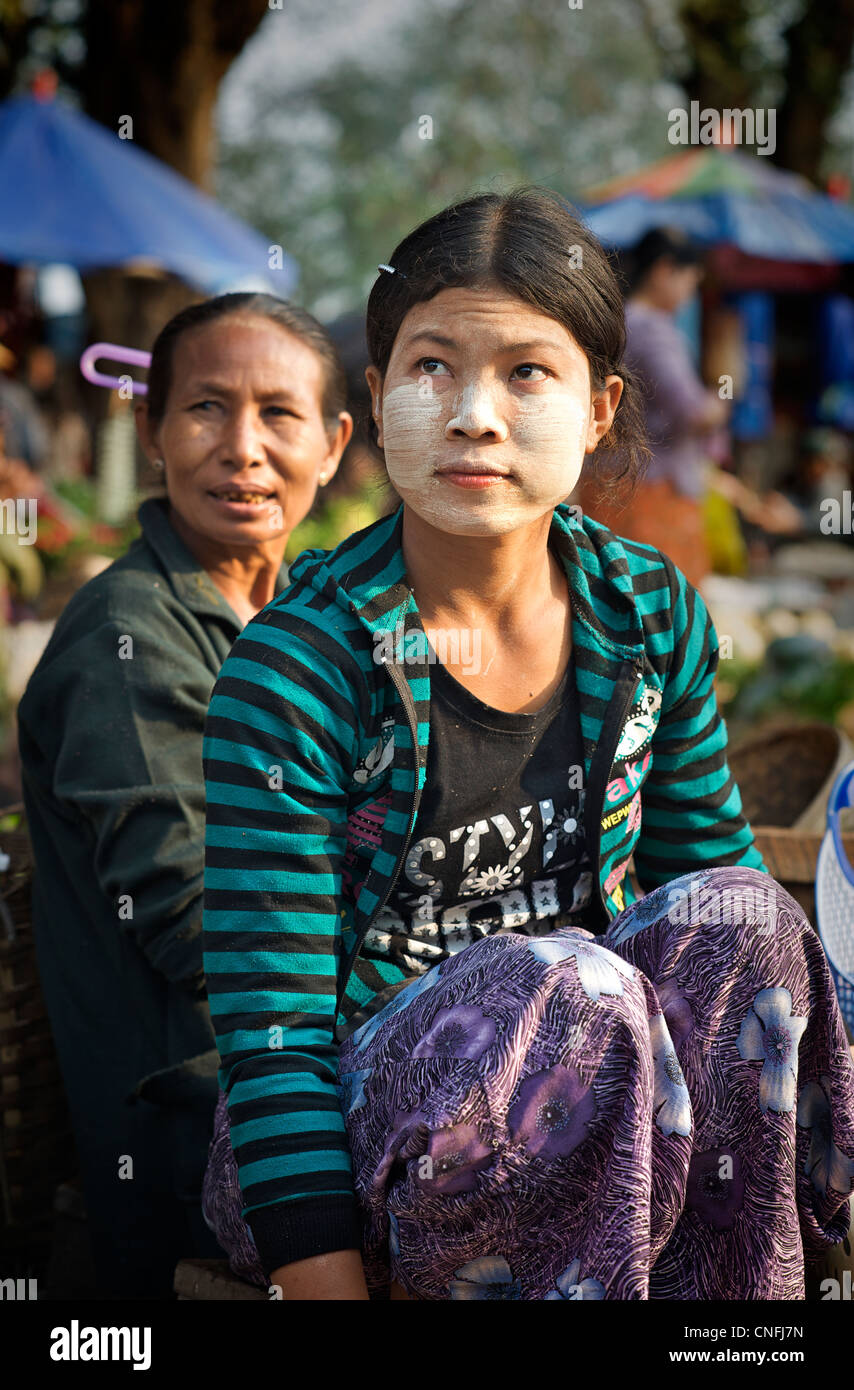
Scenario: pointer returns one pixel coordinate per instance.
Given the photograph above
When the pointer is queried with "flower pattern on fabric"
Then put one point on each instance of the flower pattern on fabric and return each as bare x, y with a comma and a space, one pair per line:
678, 1014
552, 1112
639, 915
599, 970
461, 1031
569, 1287
653, 906
351, 1090
826, 1165
721, 1216
407, 1138
770, 1033
456, 1155
401, 1000
493, 880
716, 1197
490, 1277
554, 948
671, 1102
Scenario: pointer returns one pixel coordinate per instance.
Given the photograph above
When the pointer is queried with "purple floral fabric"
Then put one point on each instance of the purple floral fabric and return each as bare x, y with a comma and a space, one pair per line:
666, 1112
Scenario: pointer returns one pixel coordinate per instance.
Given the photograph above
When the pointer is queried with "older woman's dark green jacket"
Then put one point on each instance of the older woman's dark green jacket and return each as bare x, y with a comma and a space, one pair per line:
110, 733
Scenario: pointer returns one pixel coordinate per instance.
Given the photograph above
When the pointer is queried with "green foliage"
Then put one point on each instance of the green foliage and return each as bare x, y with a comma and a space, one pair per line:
334, 520
39, 33
337, 169
815, 691
80, 492
91, 536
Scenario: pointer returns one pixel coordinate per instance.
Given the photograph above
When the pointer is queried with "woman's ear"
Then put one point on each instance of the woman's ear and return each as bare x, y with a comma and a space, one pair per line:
603, 407
373, 377
339, 438
146, 432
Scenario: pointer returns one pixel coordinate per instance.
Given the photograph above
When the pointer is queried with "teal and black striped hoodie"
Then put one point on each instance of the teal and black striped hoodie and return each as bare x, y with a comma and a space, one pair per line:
315, 755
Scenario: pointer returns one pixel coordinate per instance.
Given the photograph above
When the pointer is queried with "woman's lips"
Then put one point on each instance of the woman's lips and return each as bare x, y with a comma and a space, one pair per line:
469, 479
244, 510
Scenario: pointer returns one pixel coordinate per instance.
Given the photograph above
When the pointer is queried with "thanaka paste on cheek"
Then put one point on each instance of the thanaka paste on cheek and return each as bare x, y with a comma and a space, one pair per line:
543, 449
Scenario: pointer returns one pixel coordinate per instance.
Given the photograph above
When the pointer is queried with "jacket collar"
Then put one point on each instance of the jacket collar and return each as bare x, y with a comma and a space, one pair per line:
189, 580
593, 557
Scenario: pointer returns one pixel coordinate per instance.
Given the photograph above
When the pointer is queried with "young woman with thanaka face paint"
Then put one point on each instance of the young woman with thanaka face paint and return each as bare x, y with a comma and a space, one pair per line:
485, 413
468, 1095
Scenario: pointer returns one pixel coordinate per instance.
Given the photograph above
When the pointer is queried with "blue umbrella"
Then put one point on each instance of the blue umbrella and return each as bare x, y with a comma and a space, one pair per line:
719, 195
71, 191
625, 220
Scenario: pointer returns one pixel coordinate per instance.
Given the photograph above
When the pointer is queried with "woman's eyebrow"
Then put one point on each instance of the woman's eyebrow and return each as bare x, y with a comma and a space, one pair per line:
434, 337
532, 345
206, 388
220, 388
277, 393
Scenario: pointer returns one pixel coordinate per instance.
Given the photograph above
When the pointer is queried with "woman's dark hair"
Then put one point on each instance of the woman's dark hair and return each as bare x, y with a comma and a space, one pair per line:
530, 244
297, 321
660, 244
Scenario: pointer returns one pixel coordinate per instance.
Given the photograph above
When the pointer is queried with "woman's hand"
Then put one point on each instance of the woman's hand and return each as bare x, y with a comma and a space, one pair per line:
339, 1275
771, 511
713, 416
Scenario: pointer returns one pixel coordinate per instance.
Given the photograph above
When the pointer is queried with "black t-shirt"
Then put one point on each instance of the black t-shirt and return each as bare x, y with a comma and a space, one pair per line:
498, 843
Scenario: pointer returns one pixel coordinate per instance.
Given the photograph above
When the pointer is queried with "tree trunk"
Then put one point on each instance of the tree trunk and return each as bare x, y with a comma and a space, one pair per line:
160, 62
715, 33
819, 46
726, 69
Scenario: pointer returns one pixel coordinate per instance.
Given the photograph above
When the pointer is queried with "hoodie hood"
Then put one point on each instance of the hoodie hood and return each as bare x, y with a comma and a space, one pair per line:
365, 575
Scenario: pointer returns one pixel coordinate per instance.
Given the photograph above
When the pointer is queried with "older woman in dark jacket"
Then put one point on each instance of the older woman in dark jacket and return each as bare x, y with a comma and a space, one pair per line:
245, 418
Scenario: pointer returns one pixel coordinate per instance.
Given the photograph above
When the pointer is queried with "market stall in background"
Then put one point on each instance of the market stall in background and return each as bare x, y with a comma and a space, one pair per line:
773, 331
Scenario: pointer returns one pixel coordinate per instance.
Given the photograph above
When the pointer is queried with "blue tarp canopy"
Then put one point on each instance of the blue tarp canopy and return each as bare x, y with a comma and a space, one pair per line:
70, 191
721, 196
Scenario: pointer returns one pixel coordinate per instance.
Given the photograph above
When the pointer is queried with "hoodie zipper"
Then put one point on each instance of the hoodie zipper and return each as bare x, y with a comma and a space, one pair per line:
402, 687
601, 764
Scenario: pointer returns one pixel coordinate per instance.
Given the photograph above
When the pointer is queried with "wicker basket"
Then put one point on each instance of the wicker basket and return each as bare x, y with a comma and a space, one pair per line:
791, 857
36, 1145
785, 774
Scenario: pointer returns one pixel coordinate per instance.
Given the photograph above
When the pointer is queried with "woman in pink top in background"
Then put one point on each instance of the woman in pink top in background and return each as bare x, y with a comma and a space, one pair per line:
682, 416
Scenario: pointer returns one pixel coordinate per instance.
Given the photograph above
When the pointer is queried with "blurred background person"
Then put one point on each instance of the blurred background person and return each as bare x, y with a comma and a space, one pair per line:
824, 477
683, 417
25, 433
